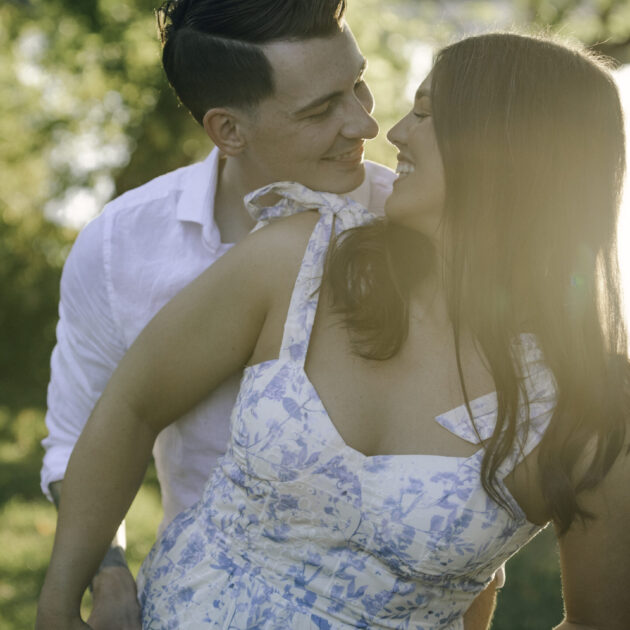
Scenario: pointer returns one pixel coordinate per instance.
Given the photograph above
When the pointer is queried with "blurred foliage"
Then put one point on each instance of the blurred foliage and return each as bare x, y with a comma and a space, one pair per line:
32, 251
86, 114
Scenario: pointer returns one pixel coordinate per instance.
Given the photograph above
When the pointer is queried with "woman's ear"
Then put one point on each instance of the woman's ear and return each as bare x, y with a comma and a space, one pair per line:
223, 127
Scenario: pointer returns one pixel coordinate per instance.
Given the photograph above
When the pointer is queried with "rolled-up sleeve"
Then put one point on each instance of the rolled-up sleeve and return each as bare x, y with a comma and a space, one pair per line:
89, 346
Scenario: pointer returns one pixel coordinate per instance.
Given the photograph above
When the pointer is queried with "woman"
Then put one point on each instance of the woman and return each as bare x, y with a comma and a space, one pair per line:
357, 491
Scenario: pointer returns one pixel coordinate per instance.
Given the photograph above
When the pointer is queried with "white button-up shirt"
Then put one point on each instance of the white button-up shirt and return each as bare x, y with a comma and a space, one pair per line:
125, 265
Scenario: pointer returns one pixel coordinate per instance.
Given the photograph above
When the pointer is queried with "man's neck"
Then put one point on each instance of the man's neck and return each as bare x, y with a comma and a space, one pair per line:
234, 181
230, 214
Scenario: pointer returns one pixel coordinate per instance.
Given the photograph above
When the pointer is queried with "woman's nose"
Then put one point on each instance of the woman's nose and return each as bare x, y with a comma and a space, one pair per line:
396, 134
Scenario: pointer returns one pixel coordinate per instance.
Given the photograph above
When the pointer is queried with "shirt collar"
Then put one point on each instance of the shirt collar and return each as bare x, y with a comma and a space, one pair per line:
362, 194
199, 187
196, 200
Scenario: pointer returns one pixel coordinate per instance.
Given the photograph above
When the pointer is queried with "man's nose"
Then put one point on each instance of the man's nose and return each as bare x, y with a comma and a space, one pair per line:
359, 122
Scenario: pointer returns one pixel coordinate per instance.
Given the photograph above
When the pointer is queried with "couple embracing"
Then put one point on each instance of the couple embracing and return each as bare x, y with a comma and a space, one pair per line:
417, 394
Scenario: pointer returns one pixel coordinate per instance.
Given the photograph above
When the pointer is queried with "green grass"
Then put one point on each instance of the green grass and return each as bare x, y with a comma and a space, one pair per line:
27, 519
530, 600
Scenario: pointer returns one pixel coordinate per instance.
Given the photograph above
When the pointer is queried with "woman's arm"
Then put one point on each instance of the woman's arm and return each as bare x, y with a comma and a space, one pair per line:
595, 556
205, 334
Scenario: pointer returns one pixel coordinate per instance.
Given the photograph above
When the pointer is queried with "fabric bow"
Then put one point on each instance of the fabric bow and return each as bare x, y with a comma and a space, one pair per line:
298, 198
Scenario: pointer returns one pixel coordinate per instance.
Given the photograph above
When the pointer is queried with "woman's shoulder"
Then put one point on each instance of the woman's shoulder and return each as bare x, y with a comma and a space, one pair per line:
286, 233
291, 230
279, 246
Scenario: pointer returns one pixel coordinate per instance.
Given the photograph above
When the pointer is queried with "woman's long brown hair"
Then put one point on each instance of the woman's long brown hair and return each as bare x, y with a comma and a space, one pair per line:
531, 137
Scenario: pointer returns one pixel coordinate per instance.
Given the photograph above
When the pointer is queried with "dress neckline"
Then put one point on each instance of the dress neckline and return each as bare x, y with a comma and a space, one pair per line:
486, 400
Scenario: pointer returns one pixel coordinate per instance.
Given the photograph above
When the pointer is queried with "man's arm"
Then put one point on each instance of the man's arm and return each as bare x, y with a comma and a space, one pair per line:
88, 348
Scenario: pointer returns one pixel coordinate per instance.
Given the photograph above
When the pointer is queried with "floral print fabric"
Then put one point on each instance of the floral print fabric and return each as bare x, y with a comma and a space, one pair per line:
297, 530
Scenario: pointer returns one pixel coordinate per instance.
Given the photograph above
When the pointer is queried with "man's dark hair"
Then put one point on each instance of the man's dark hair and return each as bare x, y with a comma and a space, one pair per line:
211, 48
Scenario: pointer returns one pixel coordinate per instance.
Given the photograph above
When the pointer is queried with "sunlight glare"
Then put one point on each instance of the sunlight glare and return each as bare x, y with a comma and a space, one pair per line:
623, 81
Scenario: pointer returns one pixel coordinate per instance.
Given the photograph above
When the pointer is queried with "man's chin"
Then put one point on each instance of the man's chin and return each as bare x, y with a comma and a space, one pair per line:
342, 179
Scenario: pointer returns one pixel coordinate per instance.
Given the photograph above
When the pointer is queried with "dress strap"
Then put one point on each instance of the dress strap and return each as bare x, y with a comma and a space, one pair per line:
337, 213
534, 415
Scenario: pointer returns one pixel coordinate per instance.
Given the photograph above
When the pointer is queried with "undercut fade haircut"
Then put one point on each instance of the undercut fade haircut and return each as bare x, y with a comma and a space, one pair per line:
212, 52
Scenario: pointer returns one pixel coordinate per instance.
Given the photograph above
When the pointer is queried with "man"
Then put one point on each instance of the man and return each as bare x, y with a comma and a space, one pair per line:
274, 112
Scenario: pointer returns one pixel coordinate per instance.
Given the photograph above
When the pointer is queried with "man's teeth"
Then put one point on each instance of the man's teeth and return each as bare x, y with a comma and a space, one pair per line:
404, 168
345, 156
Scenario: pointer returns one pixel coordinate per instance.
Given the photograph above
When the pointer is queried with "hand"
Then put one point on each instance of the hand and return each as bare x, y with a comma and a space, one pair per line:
115, 603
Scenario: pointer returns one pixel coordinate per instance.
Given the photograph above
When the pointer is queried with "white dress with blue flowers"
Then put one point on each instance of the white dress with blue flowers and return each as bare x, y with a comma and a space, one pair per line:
296, 530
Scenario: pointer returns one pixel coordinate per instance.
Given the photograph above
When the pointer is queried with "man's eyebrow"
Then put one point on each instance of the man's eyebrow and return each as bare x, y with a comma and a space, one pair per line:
320, 100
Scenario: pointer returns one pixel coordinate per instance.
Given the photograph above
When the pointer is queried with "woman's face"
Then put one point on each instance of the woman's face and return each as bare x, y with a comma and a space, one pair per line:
417, 200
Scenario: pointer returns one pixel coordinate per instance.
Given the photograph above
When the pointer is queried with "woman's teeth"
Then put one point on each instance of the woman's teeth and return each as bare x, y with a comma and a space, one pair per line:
404, 168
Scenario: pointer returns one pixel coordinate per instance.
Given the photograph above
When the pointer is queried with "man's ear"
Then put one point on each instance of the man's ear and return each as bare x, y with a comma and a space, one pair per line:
224, 127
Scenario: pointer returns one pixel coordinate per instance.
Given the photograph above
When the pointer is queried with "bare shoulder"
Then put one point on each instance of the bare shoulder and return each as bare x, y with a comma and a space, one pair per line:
259, 265
253, 273
282, 240
279, 247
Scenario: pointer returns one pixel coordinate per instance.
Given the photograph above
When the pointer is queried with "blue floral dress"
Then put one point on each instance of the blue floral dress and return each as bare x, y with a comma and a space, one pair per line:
296, 530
